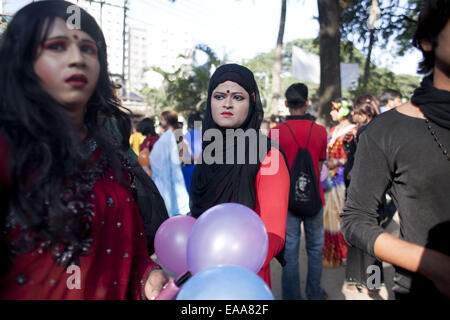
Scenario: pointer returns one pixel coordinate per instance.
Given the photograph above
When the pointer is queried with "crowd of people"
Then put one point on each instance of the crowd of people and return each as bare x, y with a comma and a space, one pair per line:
81, 186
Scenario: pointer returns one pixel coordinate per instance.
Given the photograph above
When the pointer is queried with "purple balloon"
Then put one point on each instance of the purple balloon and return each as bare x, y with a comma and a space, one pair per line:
227, 234
171, 242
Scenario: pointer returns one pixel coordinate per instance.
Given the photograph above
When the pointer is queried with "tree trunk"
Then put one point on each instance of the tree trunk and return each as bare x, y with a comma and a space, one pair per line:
329, 41
276, 76
368, 59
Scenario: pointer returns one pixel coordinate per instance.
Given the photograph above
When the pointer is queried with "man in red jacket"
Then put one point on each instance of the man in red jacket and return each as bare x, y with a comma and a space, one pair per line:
300, 123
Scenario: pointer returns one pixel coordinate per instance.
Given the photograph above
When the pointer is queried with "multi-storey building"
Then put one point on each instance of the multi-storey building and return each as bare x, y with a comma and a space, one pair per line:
111, 17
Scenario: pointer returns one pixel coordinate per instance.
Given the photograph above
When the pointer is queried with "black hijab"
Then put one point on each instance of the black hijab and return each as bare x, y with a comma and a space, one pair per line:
213, 184
434, 103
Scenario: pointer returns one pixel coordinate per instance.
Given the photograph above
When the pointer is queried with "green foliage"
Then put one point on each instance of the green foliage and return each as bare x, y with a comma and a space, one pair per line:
381, 78
396, 24
156, 98
396, 27
185, 89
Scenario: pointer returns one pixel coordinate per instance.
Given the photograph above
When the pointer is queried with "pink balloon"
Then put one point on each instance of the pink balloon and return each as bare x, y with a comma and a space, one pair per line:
228, 233
171, 243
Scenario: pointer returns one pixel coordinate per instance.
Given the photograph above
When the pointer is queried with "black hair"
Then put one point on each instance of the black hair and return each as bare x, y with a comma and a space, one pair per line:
46, 152
296, 95
389, 94
433, 17
276, 118
197, 116
147, 127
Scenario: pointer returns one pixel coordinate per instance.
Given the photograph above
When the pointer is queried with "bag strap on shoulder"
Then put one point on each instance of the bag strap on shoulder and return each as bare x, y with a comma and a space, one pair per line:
296, 141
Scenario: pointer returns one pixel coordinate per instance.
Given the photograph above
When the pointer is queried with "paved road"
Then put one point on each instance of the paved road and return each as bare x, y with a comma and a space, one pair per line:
333, 278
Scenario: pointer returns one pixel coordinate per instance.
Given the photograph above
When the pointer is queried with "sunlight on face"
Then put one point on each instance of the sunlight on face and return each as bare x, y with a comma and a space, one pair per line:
335, 115
67, 65
229, 105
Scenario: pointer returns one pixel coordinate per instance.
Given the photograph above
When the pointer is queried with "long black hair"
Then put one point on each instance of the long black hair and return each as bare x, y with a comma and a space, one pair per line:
46, 152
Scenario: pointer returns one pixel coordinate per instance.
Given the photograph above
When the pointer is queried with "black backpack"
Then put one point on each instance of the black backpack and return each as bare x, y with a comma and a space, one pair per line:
304, 196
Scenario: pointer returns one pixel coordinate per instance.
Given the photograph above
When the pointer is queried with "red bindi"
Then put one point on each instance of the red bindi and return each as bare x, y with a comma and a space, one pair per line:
228, 91
75, 37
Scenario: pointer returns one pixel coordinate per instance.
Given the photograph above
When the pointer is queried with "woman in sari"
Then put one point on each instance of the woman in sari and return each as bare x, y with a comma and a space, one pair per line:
335, 248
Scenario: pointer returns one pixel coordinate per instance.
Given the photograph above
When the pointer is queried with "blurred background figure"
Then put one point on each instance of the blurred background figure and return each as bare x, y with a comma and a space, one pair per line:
193, 143
390, 99
275, 120
147, 128
335, 248
136, 139
165, 164
265, 127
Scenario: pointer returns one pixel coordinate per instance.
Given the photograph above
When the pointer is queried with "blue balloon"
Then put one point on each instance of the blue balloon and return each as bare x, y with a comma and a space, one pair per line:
225, 282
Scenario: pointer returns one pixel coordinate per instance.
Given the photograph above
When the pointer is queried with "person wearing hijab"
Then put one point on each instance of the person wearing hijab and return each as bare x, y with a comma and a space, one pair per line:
406, 150
262, 184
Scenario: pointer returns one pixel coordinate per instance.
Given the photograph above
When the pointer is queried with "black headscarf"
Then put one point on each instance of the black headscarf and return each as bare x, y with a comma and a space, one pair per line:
434, 103
213, 184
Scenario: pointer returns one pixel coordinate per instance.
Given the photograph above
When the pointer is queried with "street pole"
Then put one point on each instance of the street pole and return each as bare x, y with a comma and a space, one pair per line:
124, 39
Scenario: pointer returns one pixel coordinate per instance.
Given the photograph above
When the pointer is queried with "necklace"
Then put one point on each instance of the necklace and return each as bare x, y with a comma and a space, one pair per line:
440, 145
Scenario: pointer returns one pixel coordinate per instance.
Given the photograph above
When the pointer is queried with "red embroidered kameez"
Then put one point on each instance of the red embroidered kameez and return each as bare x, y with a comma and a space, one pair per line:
118, 261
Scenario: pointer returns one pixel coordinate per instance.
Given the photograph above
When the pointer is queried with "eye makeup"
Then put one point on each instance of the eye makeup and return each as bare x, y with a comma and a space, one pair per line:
54, 44
61, 44
91, 48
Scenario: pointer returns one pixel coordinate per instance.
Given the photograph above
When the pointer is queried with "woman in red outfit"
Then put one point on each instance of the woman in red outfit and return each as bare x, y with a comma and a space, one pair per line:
252, 171
335, 248
71, 227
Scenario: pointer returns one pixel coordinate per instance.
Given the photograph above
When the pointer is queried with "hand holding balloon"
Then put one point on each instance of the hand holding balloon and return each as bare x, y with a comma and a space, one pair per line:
172, 288
155, 282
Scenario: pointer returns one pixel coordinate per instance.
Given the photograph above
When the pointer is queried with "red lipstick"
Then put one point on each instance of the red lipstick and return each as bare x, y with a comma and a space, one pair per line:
77, 80
227, 114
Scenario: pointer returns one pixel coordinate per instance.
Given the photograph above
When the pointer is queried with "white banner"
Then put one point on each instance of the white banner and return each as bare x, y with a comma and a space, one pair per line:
349, 75
306, 67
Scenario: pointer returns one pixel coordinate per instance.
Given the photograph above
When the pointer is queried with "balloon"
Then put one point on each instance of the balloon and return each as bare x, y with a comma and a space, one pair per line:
228, 233
225, 282
171, 242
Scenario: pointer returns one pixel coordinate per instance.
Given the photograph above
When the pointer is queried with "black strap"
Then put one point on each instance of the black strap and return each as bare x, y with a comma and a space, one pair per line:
309, 134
